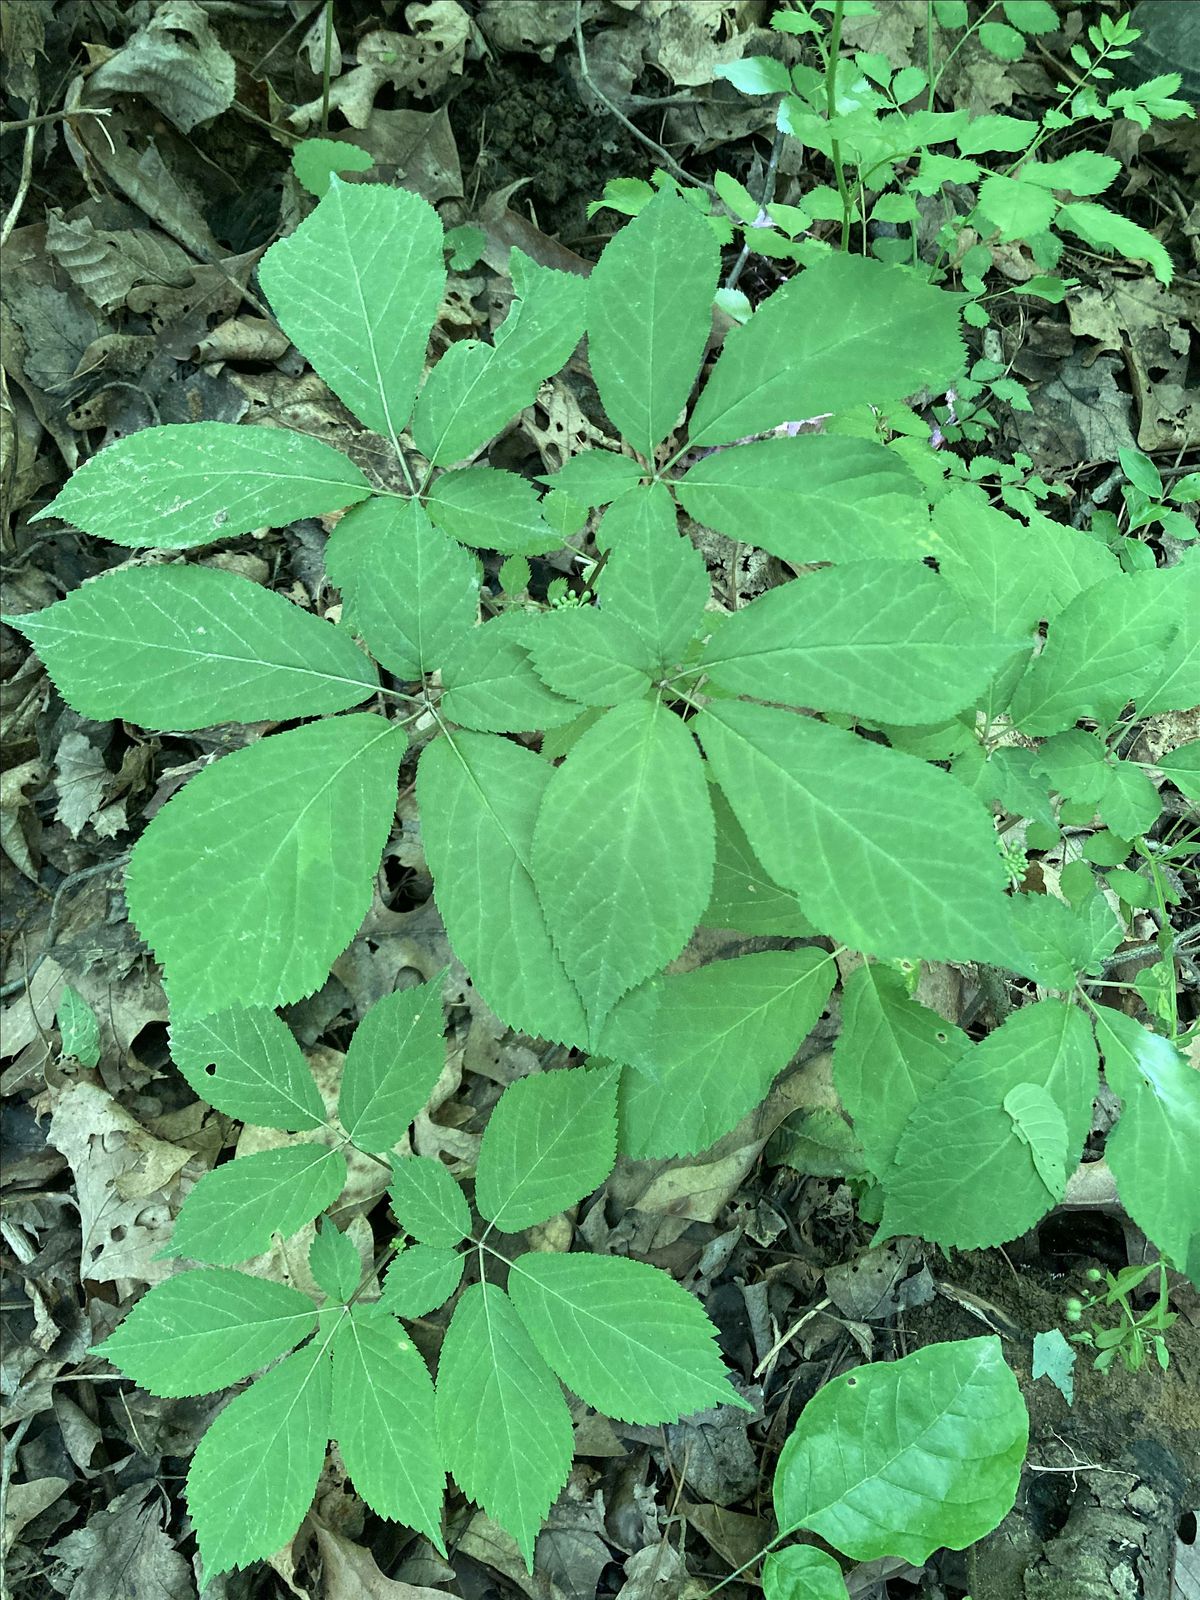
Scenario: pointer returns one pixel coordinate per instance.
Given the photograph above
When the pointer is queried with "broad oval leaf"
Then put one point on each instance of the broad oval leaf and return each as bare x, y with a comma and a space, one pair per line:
622, 1335
492, 509
234, 1210
802, 1572
420, 1279
589, 656
188, 647
899, 1458
550, 1141
656, 581
252, 880
203, 1330
191, 482
490, 683
394, 1061
255, 1471
246, 1062
649, 315
356, 288
384, 1421
623, 851
428, 1201
503, 1423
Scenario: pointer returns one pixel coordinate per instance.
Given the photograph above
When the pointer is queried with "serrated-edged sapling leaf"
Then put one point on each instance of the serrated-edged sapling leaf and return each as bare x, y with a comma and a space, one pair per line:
1109, 231
490, 683
744, 897
384, 1422
656, 581
236, 1209
409, 589
649, 317
1182, 767
79, 1031
200, 481
802, 1572
188, 647
255, 1471
203, 1330
899, 1458
334, 1262
550, 1141
502, 1421
589, 656
492, 509
624, 885
595, 477
356, 288
246, 1063
254, 878
314, 161
1131, 804
817, 497
622, 1335
479, 798
421, 1278
1063, 940
392, 1066
428, 1201
1054, 1358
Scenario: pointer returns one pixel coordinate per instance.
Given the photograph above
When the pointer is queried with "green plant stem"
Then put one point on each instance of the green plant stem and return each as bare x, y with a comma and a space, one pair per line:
325, 76
831, 66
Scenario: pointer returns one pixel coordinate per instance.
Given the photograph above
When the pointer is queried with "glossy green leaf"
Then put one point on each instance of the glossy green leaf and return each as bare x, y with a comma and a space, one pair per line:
899, 1458
246, 1063
254, 878
491, 509
656, 581
395, 1059
236, 1209
356, 288
334, 1262
428, 1201
744, 897
200, 481
589, 656
204, 1330
490, 683
420, 1279
802, 1572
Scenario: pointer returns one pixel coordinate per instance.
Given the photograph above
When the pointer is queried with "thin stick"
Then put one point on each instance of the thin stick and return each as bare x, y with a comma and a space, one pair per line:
14, 211
55, 116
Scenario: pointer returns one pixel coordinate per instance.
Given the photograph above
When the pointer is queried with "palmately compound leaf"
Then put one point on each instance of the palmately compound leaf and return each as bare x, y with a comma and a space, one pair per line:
802, 1572
254, 878
479, 798
78, 1027
503, 1423
550, 1141
589, 656
255, 1471
235, 1209
888, 643
246, 1062
622, 1335
623, 851
420, 1279
428, 1201
884, 852
492, 509
394, 1061
712, 1045
356, 288
818, 497
848, 331
899, 1458
188, 647
744, 897
963, 1174
1039, 1122
490, 683
334, 1261
656, 581
409, 589
384, 1421
649, 315
189, 483
891, 1053
206, 1329
476, 388
1152, 1149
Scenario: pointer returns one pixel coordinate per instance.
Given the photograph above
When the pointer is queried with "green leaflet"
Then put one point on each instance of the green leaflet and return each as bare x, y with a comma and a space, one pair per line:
314, 161
395, 1059
479, 798
1109, 231
883, 852
476, 389
710, 1047
992, 1190
890, 1056
334, 1262
207, 1329
802, 1572
589, 656
255, 1471
845, 332
253, 879
744, 897
1182, 767
490, 683
649, 315
410, 591
1152, 1149
623, 851
383, 1420
246, 1063
78, 1027
420, 1279
236, 1209
200, 481
428, 1202
1131, 804
622, 1335
356, 288
818, 497
901, 1457
188, 647
594, 477
885, 642
656, 581
503, 1424
1039, 1123
492, 509
1062, 940
550, 1141
1176, 685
